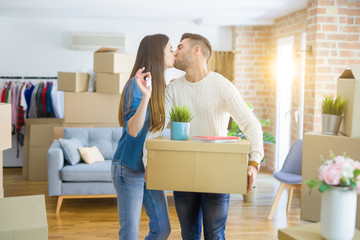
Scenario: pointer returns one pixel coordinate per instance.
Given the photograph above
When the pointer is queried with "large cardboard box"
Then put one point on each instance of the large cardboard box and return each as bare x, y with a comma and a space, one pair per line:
91, 107
316, 144
111, 82
108, 60
23, 218
348, 86
5, 126
5, 137
197, 167
305, 232
39, 135
73, 81
1, 175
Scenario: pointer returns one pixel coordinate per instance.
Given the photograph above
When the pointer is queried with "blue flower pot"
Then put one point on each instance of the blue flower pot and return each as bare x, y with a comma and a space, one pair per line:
179, 130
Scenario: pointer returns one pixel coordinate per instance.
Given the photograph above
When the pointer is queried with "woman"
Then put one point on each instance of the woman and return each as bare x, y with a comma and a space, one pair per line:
142, 109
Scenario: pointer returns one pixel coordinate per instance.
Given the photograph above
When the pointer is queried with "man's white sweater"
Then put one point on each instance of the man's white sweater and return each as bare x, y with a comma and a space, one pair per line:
213, 100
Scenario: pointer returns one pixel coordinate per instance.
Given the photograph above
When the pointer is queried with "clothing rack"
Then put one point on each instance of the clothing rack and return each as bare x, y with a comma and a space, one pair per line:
28, 78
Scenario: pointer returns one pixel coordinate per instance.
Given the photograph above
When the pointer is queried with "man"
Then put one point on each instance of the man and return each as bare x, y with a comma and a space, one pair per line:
213, 99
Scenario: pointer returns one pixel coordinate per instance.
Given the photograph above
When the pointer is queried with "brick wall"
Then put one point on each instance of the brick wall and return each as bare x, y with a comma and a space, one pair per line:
333, 32
252, 69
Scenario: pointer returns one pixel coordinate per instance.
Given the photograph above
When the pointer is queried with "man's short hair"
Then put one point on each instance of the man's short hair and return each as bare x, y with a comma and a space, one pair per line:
197, 39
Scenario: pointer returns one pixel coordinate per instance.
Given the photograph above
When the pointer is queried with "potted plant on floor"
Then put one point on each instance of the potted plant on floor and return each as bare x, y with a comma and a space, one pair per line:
267, 138
180, 122
332, 111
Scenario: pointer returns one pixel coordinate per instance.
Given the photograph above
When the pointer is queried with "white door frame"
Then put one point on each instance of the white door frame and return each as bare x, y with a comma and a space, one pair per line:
284, 79
300, 112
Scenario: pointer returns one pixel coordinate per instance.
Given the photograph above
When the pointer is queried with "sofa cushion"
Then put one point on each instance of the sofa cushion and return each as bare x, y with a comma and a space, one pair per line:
102, 139
80, 133
70, 149
91, 154
82, 172
105, 139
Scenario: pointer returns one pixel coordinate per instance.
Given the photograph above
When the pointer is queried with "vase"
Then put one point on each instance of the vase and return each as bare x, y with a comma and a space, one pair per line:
338, 213
330, 124
251, 196
179, 130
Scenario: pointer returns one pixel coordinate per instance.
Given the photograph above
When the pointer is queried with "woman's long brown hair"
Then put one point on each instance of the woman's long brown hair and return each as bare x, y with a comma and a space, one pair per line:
151, 56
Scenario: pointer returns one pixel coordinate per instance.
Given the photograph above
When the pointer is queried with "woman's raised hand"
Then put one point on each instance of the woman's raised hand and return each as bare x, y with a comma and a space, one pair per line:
141, 82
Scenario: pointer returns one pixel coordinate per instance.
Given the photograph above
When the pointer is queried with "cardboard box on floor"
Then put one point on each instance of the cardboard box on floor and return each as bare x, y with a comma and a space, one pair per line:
73, 81
91, 108
316, 144
111, 82
23, 218
5, 126
197, 167
348, 86
38, 136
108, 60
1, 175
305, 231
5, 137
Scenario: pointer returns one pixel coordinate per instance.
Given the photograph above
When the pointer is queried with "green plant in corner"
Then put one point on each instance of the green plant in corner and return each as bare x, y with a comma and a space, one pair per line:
333, 106
267, 137
181, 114
236, 131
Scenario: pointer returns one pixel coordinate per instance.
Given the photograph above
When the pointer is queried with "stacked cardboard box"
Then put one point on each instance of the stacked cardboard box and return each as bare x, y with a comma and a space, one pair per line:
348, 86
91, 108
39, 135
197, 167
73, 81
5, 138
112, 70
317, 144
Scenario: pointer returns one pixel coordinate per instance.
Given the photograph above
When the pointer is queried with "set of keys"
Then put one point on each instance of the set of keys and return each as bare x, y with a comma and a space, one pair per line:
148, 81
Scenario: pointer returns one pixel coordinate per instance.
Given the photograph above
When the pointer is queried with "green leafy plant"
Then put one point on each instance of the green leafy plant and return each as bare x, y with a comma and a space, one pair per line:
333, 106
267, 137
181, 114
236, 131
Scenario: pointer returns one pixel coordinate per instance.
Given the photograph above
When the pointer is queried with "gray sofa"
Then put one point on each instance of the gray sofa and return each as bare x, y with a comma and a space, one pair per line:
82, 180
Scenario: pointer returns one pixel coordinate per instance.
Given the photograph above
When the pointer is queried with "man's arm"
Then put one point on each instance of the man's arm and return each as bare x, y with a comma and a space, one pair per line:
251, 127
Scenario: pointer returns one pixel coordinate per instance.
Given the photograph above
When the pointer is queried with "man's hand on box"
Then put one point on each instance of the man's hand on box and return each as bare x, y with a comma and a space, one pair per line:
252, 172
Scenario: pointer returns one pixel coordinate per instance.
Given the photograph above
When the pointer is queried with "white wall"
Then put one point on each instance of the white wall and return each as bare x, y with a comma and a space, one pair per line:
41, 46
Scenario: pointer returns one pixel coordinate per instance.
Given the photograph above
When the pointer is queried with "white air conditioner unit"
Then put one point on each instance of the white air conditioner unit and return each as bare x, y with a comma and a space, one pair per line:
83, 41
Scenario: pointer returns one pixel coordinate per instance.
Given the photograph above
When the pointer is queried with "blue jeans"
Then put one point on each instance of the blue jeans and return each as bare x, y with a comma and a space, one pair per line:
131, 195
211, 207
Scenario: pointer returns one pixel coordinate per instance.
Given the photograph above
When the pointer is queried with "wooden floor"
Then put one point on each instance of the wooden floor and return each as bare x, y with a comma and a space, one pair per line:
97, 218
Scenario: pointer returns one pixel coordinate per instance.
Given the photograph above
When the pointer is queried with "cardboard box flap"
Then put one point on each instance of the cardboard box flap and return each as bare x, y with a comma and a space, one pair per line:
347, 74
355, 68
162, 143
106, 49
25, 212
353, 72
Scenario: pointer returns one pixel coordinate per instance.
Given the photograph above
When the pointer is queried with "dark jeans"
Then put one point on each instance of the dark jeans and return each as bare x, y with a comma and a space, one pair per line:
211, 207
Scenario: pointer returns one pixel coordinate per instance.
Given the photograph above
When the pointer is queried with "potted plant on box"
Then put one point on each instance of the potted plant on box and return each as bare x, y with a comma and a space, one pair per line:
338, 181
332, 111
180, 122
